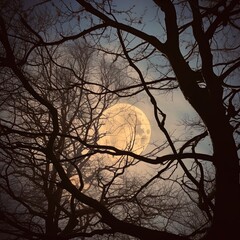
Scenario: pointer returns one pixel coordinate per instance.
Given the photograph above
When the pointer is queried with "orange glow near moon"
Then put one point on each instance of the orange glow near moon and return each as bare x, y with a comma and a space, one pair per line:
125, 127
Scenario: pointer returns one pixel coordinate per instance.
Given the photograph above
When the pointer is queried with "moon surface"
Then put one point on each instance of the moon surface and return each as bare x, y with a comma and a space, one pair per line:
125, 127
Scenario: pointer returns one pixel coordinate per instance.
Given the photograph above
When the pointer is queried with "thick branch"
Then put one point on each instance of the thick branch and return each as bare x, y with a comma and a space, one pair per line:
213, 83
170, 21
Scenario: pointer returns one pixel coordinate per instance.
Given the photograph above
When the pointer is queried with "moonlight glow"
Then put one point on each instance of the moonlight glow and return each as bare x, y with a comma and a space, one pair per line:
125, 127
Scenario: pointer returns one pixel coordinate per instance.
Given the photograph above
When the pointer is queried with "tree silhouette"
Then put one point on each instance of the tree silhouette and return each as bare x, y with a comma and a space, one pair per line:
64, 63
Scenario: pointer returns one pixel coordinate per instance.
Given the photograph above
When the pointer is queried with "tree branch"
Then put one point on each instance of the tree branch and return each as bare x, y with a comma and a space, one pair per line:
149, 38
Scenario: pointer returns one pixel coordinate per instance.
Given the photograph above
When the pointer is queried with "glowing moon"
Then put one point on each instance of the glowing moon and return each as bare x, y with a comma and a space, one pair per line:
125, 127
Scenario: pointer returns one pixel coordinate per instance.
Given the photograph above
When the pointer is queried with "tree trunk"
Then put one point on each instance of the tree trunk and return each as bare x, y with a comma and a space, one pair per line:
227, 202
208, 104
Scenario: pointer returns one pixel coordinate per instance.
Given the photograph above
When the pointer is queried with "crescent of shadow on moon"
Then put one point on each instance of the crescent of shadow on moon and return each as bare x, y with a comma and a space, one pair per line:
125, 127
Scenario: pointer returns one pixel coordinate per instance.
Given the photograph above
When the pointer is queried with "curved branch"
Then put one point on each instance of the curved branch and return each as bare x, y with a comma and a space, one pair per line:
221, 17
149, 38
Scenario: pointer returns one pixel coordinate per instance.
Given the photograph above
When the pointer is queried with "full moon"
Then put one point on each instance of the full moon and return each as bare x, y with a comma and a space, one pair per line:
125, 127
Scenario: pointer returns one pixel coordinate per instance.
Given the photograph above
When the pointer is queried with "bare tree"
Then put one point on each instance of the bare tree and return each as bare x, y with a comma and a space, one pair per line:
58, 75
